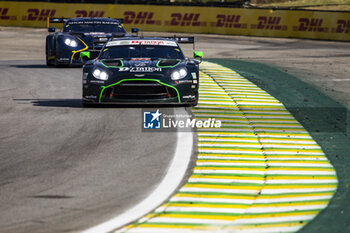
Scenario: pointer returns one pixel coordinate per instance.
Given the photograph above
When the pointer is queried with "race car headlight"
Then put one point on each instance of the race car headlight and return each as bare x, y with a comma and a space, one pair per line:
99, 74
179, 74
70, 42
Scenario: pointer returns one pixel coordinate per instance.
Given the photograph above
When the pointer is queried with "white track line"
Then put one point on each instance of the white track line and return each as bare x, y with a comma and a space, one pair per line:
166, 188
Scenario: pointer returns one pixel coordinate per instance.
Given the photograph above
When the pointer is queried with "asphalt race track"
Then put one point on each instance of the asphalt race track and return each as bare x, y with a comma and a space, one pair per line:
57, 157
65, 168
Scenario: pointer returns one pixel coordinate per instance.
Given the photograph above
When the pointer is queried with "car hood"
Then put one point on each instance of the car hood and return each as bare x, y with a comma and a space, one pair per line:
141, 67
141, 64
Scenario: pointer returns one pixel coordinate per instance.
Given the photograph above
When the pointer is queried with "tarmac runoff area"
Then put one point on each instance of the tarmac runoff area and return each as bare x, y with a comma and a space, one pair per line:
74, 177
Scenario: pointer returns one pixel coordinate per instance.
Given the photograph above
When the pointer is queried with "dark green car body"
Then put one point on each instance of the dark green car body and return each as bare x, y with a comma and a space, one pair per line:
141, 79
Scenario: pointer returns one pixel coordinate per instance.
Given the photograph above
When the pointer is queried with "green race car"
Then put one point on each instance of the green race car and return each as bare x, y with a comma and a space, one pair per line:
142, 71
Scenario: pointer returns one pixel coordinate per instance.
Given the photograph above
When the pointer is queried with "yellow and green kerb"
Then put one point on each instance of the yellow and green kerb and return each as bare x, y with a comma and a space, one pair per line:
260, 172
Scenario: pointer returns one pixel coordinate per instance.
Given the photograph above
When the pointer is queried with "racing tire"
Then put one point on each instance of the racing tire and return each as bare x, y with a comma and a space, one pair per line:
194, 103
55, 63
48, 63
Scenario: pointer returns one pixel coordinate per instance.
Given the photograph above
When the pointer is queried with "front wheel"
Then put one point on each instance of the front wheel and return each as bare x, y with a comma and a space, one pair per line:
48, 62
194, 103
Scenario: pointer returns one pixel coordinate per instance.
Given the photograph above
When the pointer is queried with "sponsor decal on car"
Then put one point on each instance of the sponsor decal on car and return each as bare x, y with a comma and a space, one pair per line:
91, 97
142, 42
140, 59
97, 81
188, 96
140, 64
94, 22
194, 75
141, 69
185, 81
95, 33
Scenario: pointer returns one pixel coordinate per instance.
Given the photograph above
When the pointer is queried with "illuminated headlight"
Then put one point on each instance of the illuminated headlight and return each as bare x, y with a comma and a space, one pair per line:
99, 74
179, 74
70, 42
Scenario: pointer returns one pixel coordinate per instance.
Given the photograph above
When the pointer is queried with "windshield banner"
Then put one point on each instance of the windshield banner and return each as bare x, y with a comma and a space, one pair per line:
141, 42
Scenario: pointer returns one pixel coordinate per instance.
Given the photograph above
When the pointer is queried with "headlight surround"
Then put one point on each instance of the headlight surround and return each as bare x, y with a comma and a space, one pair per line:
179, 74
70, 42
100, 74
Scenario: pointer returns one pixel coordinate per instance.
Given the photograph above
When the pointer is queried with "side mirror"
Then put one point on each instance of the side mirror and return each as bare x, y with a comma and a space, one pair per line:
198, 55
85, 56
51, 29
135, 30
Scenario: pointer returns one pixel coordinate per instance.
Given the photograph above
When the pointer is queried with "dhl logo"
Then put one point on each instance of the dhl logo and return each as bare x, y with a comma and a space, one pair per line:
187, 19
35, 14
142, 17
343, 26
4, 16
83, 13
269, 23
228, 21
311, 25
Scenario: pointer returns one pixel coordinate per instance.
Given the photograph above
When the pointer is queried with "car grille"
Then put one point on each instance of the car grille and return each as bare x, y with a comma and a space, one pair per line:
140, 90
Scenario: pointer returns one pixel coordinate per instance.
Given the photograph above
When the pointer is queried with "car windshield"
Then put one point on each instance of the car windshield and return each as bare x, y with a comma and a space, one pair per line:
93, 27
146, 51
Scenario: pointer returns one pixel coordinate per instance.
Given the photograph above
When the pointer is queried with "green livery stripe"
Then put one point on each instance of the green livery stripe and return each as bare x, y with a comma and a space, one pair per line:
140, 79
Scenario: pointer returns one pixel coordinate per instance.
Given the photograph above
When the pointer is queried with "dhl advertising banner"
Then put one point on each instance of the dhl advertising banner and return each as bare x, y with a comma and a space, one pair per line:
231, 21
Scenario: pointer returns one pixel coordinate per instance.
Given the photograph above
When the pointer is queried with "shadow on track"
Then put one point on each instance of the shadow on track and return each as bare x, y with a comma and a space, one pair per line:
42, 66
68, 103
77, 103
32, 66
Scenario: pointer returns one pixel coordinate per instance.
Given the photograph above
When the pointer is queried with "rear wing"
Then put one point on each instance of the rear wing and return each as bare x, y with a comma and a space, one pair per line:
198, 55
182, 40
56, 20
120, 20
63, 20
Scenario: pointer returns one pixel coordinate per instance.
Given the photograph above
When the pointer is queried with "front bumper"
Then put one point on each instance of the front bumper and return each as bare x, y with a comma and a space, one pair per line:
140, 91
